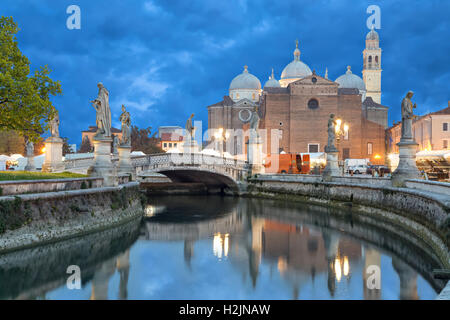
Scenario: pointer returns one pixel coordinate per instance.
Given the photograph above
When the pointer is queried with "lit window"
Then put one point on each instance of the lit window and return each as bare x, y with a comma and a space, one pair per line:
253, 96
346, 135
237, 95
445, 126
369, 148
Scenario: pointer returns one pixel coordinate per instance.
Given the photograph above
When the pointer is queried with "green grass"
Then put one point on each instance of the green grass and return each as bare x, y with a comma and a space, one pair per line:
27, 175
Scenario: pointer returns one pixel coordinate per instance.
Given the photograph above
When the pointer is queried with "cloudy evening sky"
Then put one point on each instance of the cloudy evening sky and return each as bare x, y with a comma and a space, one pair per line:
167, 59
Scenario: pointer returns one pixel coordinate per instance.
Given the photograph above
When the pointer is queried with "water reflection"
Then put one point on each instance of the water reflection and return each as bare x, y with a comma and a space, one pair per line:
227, 248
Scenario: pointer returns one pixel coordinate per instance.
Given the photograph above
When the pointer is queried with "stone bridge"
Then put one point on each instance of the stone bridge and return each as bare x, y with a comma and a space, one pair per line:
213, 171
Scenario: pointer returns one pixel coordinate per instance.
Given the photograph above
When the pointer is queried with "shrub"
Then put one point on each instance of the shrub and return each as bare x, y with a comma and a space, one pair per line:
12, 216
83, 185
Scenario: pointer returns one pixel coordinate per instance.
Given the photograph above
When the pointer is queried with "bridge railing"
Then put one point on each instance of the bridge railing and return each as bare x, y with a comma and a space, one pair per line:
192, 159
162, 160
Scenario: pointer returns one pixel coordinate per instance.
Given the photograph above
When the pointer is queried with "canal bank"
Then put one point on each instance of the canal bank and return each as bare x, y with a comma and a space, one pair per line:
422, 214
29, 220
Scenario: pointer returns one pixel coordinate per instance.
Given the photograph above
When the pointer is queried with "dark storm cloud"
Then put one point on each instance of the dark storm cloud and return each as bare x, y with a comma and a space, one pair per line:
166, 59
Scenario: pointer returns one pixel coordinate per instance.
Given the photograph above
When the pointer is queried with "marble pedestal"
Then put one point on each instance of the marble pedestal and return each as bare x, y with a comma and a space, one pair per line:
103, 166
407, 168
30, 164
254, 157
53, 155
125, 166
190, 146
332, 167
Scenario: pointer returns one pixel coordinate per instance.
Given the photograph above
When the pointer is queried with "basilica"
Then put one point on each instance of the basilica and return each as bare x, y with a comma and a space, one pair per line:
294, 110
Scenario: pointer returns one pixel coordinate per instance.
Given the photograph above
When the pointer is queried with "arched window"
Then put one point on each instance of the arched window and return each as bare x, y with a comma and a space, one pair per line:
237, 95
313, 104
376, 59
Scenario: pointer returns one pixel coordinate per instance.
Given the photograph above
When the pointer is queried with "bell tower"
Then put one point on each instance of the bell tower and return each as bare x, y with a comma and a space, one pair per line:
372, 66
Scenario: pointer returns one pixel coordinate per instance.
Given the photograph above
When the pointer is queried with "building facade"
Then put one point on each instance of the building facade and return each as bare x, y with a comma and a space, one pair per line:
171, 141
431, 132
294, 110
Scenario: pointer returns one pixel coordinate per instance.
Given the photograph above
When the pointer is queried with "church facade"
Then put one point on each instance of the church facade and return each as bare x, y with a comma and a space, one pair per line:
294, 110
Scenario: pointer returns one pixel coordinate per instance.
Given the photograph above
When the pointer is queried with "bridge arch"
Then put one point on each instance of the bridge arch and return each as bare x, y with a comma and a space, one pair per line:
213, 180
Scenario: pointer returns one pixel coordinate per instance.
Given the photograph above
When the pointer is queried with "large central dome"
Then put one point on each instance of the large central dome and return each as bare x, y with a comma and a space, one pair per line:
295, 70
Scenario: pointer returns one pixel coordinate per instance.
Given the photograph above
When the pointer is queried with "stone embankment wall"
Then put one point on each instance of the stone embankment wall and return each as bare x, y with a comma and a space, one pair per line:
8, 188
33, 219
423, 211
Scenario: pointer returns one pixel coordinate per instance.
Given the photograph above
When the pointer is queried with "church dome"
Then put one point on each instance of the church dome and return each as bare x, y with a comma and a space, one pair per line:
296, 69
272, 82
245, 81
372, 35
350, 80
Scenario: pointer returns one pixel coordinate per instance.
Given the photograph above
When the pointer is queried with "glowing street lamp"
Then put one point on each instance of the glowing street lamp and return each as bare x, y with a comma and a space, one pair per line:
221, 136
341, 129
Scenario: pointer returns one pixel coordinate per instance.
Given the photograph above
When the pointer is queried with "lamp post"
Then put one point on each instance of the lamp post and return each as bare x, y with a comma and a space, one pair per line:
221, 136
341, 131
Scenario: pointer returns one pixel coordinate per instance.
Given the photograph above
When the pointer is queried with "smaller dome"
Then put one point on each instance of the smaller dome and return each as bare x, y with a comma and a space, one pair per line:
372, 35
245, 80
350, 80
272, 82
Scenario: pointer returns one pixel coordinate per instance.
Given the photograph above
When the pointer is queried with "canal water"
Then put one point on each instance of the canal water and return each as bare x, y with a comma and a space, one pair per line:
198, 247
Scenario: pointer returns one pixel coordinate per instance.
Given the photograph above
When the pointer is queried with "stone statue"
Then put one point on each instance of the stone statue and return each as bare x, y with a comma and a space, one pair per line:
407, 116
101, 105
29, 146
54, 126
125, 119
331, 133
115, 144
254, 124
190, 129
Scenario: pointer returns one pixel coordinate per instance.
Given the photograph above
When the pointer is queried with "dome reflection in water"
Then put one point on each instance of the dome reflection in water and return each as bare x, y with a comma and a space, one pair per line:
227, 248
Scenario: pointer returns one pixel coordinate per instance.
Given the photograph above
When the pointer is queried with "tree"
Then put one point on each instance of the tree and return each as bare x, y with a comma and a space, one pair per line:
11, 143
25, 105
66, 148
143, 140
86, 146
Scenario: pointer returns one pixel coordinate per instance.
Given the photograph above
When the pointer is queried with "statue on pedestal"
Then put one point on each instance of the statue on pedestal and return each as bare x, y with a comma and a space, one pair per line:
190, 129
254, 125
101, 105
331, 133
54, 126
29, 146
407, 116
125, 119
